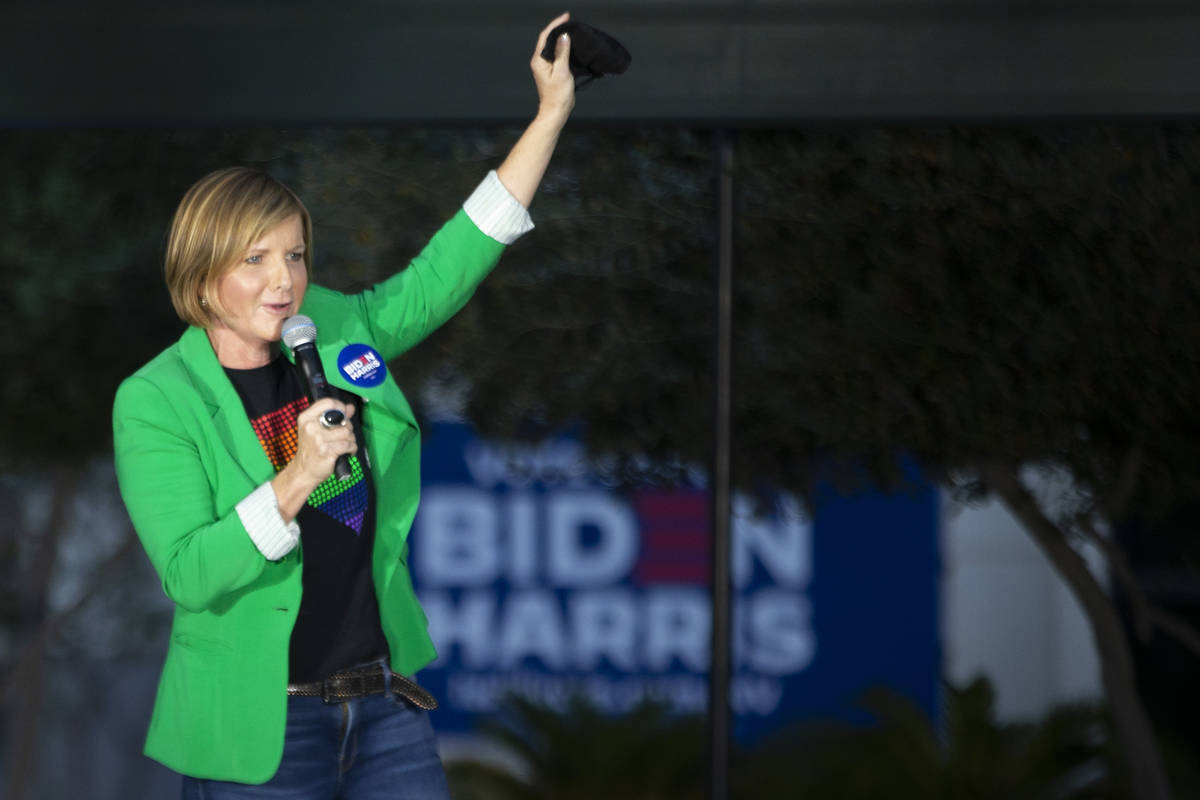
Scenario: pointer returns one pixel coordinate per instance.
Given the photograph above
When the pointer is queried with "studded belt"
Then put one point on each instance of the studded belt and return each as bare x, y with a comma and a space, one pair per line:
361, 682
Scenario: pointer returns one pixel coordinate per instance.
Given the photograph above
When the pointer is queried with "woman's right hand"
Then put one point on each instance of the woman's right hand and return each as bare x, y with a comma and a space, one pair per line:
317, 450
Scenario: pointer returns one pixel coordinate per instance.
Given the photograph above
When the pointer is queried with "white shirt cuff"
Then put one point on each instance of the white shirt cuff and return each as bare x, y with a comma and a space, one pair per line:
496, 212
259, 512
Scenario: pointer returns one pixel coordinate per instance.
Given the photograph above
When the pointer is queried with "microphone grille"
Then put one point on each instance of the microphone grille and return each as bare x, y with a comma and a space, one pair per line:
297, 330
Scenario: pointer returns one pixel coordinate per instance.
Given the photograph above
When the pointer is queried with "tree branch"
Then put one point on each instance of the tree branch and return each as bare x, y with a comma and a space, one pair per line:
1147, 616
1049, 537
1131, 723
1121, 570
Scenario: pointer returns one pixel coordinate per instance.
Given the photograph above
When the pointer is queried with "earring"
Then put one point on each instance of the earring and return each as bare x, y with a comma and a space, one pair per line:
204, 302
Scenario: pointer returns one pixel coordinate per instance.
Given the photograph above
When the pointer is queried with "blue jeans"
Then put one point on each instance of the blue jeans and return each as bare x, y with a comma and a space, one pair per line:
369, 748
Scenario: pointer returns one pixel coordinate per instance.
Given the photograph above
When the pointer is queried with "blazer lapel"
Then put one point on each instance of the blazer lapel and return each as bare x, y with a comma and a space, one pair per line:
224, 405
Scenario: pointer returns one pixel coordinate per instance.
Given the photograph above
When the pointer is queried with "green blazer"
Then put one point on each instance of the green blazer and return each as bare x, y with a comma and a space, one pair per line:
186, 455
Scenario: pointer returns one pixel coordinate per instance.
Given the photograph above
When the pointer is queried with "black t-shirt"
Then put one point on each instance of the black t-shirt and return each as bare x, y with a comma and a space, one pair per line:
338, 623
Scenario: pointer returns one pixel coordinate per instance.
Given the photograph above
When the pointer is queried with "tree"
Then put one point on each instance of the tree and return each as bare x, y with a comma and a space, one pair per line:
81, 291
583, 753
984, 299
83, 300
649, 754
1067, 754
988, 300
82, 295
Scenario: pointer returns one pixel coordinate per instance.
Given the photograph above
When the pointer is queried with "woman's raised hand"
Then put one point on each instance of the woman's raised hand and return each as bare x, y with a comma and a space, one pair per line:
555, 83
526, 163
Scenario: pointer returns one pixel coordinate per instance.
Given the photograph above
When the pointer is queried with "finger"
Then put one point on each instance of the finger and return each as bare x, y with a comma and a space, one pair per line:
562, 50
335, 446
541, 42
331, 442
315, 410
338, 416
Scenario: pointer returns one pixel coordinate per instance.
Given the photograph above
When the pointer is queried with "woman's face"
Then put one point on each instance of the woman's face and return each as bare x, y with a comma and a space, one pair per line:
260, 291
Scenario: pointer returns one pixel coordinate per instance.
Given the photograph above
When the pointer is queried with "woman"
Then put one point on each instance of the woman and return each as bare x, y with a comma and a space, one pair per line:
296, 630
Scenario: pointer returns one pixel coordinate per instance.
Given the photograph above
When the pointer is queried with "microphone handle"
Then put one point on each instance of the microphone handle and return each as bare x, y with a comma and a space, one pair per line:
341, 467
314, 374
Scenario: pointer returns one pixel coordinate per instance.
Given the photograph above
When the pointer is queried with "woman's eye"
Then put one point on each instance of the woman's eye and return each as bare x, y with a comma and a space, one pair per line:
296, 256
253, 259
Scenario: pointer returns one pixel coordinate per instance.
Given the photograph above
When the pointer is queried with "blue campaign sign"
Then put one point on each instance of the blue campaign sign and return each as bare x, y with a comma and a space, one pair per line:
539, 578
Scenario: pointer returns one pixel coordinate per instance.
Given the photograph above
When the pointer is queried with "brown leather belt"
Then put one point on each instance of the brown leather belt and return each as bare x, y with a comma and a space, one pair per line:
361, 682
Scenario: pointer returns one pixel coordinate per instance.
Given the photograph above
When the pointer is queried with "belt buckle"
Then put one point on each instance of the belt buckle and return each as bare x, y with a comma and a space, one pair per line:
344, 686
334, 689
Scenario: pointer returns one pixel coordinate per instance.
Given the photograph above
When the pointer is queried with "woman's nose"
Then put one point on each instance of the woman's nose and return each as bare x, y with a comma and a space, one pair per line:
281, 275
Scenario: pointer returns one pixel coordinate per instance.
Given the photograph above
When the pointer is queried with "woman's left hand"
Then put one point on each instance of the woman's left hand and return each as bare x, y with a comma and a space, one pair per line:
555, 83
526, 163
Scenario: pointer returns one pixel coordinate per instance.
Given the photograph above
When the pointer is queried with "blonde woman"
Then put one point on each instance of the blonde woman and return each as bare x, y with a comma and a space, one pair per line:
296, 634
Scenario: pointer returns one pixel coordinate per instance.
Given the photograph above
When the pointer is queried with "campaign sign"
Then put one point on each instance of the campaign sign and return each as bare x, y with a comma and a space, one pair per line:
538, 578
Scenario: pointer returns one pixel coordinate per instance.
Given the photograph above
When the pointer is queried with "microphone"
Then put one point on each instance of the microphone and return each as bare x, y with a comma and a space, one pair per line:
300, 334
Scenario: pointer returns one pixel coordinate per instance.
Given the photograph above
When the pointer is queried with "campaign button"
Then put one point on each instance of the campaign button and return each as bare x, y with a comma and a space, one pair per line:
361, 365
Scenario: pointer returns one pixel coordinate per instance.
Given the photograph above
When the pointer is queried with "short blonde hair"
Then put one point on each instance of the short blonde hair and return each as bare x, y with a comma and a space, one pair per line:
219, 218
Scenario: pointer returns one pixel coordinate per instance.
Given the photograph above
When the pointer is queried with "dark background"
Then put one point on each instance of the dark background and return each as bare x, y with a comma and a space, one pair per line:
982, 214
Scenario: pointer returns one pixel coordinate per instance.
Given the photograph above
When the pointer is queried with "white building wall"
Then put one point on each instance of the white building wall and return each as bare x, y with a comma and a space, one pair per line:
1007, 615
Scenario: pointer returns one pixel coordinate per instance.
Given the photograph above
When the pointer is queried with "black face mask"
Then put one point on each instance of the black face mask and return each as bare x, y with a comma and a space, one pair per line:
594, 53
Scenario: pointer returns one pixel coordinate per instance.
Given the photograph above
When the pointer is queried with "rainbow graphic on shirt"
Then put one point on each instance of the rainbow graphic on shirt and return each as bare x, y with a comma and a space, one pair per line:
344, 501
